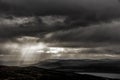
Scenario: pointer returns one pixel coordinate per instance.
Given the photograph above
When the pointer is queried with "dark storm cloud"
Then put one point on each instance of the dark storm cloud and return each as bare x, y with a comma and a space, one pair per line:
80, 12
11, 26
55, 30
39, 7
101, 34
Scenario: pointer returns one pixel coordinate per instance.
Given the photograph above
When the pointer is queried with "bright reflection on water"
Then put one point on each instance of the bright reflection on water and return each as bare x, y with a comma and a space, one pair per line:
108, 75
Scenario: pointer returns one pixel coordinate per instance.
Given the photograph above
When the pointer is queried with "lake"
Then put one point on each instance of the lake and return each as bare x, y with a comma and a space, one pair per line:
108, 75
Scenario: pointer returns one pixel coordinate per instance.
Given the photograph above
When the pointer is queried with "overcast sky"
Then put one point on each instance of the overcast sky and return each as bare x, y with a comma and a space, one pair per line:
61, 23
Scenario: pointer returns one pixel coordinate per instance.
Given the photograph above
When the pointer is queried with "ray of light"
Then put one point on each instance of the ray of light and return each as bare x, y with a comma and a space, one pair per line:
29, 53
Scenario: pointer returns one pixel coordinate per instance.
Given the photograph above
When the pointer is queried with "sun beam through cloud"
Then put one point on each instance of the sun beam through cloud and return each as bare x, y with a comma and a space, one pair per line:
29, 52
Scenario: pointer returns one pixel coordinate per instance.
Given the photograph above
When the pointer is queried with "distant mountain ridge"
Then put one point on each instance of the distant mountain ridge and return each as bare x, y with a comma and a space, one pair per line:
105, 65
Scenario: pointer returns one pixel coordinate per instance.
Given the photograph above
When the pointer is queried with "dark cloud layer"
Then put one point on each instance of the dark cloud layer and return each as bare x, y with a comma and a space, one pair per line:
71, 36
82, 20
96, 33
80, 12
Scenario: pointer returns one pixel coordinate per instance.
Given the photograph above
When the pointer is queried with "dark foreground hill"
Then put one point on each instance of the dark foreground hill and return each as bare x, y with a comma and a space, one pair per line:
34, 73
